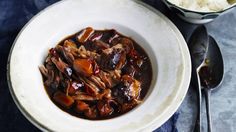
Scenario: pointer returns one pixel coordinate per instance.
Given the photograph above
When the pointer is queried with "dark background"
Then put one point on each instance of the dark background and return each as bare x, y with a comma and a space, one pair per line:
14, 14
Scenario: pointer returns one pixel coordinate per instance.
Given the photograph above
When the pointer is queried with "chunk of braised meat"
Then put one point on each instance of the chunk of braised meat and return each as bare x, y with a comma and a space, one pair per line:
104, 77
90, 87
109, 35
82, 107
44, 71
63, 100
83, 53
106, 94
83, 67
93, 55
135, 59
116, 74
49, 83
92, 46
55, 84
113, 58
104, 108
52, 79
52, 53
110, 78
121, 93
49, 64
65, 52
129, 69
116, 48
80, 52
84, 97
127, 90
110, 60
101, 44
62, 66
127, 44
107, 61
97, 81
133, 85
70, 47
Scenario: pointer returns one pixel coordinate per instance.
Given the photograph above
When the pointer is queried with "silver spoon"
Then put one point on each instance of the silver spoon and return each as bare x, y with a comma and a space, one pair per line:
198, 46
211, 74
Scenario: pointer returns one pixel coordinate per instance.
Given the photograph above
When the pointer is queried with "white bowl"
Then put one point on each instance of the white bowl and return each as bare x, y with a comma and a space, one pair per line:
196, 17
155, 33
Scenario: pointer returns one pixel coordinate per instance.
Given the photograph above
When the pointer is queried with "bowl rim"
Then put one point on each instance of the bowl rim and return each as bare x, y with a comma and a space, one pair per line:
199, 12
16, 101
41, 126
154, 125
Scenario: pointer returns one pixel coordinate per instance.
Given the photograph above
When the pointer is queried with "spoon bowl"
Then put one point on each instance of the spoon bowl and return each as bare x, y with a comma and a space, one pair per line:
211, 74
214, 62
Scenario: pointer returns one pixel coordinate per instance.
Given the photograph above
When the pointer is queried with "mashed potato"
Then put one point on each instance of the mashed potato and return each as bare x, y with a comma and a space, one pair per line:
202, 5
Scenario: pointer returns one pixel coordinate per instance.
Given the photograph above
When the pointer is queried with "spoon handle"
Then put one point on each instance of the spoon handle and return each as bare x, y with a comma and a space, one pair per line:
197, 86
207, 93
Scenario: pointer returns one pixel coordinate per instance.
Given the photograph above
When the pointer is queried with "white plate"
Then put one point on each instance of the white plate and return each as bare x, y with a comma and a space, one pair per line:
153, 31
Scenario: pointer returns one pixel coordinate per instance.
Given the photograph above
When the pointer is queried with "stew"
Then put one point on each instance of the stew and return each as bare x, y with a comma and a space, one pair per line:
97, 74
